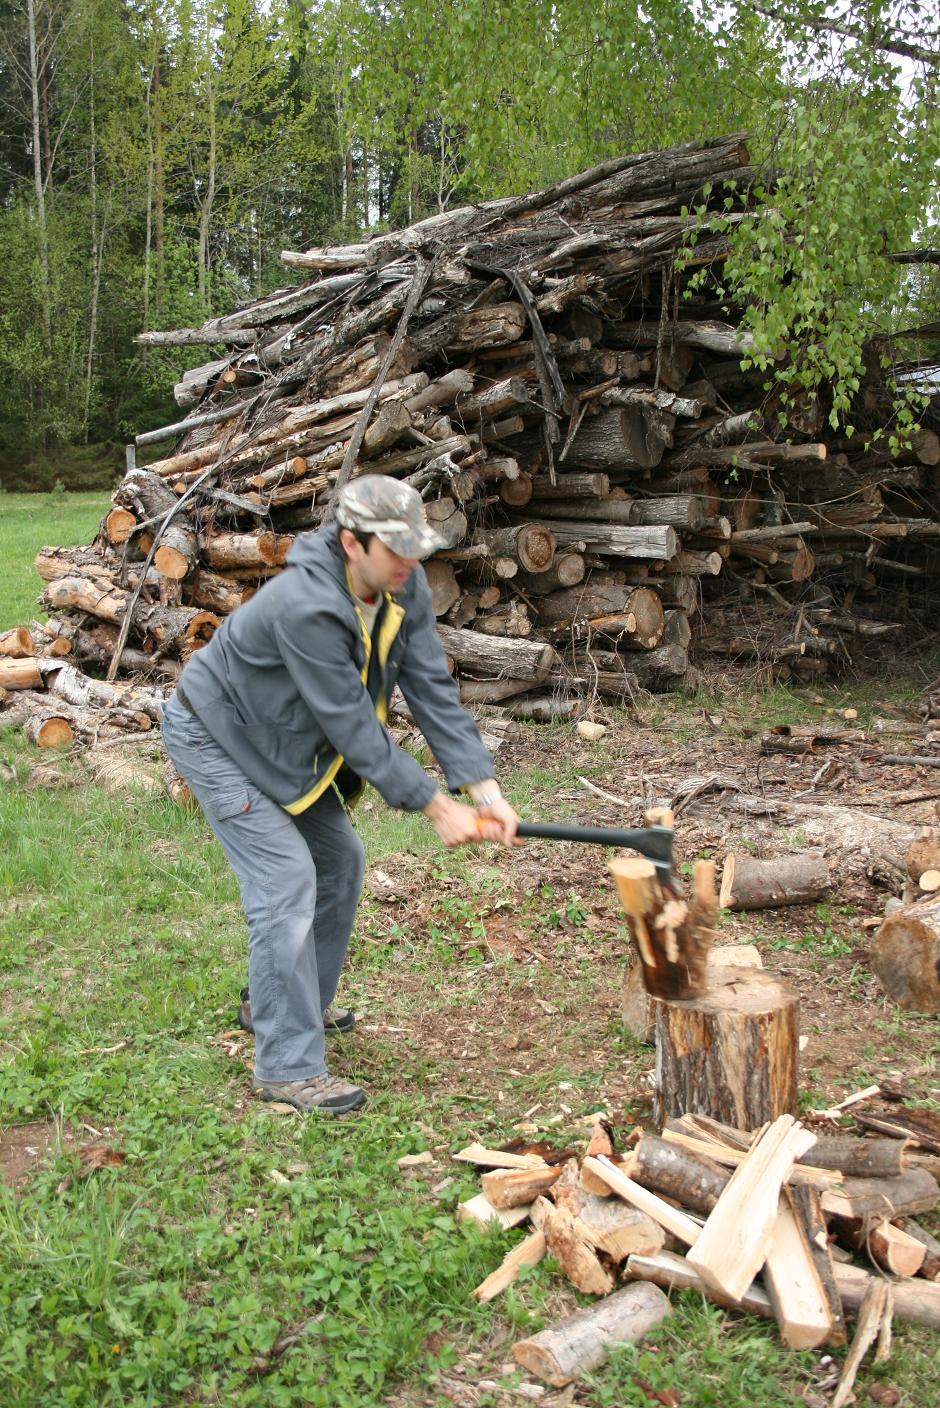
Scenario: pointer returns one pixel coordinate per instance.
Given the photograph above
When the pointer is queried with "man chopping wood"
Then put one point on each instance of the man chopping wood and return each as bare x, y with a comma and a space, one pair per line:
278, 723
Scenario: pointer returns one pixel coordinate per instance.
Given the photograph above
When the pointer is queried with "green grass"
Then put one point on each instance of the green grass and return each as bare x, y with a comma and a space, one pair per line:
27, 523
243, 1257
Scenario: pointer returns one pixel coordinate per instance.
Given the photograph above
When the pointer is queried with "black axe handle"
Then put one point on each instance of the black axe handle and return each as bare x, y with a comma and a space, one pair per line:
654, 842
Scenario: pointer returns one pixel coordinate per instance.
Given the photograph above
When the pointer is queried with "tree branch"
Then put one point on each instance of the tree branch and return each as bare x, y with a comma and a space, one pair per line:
884, 43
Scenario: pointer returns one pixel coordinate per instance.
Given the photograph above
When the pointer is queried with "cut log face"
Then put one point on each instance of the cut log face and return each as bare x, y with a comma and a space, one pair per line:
731, 1053
905, 957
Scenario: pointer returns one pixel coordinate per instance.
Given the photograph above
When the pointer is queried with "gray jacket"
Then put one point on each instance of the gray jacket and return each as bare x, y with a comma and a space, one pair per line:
294, 690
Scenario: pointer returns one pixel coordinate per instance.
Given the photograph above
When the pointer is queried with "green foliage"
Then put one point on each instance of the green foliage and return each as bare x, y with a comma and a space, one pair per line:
184, 143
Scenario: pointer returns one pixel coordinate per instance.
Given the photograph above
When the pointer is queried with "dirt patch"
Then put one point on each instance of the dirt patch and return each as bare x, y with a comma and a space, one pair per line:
524, 1023
26, 1148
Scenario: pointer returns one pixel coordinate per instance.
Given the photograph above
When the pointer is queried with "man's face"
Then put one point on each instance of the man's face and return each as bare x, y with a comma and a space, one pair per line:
376, 569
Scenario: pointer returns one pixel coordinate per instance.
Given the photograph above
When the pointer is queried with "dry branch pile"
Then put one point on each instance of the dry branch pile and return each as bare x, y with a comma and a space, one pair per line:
784, 1204
581, 430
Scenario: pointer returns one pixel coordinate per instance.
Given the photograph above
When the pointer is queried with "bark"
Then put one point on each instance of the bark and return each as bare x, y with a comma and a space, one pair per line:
617, 440
614, 539
498, 659
748, 883
731, 1054
563, 1351
531, 544
567, 570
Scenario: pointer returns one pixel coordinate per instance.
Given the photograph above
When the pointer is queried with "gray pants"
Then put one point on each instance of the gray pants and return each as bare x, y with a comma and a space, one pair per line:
300, 878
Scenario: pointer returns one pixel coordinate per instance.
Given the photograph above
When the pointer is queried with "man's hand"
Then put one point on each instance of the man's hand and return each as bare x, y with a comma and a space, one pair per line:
459, 825
500, 813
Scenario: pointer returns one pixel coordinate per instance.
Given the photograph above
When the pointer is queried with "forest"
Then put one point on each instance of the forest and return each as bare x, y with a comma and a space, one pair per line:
157, 156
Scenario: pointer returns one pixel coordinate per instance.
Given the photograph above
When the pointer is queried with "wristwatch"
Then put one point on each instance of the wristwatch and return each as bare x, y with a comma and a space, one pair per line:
486, 799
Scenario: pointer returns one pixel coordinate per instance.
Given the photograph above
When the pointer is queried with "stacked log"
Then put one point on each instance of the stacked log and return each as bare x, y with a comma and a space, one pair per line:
619, 495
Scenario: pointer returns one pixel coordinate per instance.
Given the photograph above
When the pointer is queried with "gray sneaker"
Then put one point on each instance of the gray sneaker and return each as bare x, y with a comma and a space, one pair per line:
336, 1020
326, 1095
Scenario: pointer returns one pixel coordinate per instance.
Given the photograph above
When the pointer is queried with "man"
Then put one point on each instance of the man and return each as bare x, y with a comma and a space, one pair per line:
277, 723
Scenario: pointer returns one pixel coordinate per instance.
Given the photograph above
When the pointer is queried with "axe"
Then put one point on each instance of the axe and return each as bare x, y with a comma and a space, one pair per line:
654, 842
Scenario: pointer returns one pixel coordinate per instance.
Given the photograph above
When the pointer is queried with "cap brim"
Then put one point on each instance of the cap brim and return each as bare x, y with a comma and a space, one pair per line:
412, 542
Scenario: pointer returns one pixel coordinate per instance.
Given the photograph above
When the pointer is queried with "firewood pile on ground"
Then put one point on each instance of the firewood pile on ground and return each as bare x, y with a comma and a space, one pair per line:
773, 1222
618, 497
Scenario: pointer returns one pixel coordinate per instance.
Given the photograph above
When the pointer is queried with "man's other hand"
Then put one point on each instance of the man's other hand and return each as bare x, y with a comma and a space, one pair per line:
459, 825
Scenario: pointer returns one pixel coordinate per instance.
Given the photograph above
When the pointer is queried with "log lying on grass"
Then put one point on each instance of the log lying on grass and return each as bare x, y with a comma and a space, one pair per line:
559, 1354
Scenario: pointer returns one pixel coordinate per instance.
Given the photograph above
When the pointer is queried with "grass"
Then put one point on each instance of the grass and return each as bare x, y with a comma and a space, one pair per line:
27, 523
242, 1256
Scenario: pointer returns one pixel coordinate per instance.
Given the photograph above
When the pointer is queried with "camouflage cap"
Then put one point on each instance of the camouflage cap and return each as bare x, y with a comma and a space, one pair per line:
392, 511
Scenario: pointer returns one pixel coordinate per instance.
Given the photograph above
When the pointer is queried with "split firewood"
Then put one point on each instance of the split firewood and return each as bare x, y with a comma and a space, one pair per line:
895, 1250
671, 1218
872, 1312
507, 1188
802, 1174
734, 1243
574, 1253
560, 1353
674, 1273
600, 1142
529, 1252
671, 935
796, 1293
930, 1266
915, 1300
497, 1158
480, 1210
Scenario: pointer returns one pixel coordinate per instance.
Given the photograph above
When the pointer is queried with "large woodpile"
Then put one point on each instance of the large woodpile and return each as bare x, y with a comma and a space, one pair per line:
617, 495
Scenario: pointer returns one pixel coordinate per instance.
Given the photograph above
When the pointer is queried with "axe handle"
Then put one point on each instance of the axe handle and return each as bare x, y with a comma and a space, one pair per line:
655, 838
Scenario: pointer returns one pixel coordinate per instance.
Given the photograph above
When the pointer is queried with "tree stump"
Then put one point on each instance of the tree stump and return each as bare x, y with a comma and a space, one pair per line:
732, 1053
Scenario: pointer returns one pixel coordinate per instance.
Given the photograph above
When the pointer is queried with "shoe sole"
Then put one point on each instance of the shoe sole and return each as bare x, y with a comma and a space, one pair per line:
346, 1108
